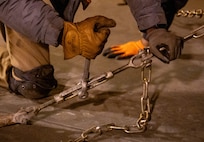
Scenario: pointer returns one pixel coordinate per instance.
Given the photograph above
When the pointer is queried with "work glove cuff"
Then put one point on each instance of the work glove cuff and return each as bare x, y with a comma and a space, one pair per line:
70, 40
155, 33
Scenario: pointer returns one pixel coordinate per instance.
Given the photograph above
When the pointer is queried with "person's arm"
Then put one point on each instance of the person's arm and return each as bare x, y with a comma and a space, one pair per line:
32, 18
151, 20
40, 23
147, 13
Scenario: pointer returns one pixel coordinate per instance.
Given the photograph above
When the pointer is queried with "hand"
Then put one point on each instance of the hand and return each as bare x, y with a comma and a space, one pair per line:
165, 45
125, 50
86, 38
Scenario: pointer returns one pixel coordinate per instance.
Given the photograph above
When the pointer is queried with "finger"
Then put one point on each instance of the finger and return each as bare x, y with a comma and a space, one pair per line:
161, 57
116, 48
110, 51
113, 55
161, 53
107, 51
113, 50
103, 34
123, 57
164, 50
117, 52
102, 22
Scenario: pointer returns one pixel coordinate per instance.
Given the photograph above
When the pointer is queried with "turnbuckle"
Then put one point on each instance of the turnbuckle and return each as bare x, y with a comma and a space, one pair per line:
136, 62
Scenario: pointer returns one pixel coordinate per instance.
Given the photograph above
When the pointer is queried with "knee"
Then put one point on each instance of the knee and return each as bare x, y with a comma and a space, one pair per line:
33, 84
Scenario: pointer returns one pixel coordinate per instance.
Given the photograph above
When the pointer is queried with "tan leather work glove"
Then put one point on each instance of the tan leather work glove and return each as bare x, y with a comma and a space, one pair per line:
86, 38
125, 50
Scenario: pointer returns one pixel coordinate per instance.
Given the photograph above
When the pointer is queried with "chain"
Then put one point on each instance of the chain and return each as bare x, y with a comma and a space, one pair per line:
25, 114
198, 13
144, 116
145, 103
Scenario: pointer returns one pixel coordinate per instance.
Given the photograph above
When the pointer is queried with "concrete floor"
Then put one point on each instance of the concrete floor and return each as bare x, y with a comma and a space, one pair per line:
176, 90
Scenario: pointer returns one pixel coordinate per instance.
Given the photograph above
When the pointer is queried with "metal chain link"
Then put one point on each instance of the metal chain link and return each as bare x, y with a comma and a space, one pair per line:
198, 13
144, 116
145, 103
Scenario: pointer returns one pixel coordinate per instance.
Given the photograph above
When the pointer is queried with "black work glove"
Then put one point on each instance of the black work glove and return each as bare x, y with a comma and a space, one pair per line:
164, 45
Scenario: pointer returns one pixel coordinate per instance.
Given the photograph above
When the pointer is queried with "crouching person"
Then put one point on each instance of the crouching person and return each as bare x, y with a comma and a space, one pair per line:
33, 25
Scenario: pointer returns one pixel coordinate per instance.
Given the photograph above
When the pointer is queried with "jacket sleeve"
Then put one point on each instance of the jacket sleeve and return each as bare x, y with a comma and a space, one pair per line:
147, 13
32, 18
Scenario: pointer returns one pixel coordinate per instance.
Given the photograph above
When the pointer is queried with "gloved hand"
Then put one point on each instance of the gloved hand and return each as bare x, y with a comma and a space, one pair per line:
126, 50
86, 38
165, 45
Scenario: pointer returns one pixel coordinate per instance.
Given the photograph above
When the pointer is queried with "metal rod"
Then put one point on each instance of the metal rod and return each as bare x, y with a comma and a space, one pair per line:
84, 93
